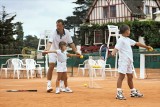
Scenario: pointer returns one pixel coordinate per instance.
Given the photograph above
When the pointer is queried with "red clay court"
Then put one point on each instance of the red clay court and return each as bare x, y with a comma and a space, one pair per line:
82, 96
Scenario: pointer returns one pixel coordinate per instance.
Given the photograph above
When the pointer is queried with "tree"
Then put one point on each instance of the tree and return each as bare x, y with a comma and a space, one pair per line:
31, 41
79, 14
73, 22
82, 9
20, 34
7, 31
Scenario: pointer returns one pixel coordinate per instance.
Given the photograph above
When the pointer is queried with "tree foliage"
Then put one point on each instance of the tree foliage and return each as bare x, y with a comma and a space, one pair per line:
79, 14
8, 31
31, 41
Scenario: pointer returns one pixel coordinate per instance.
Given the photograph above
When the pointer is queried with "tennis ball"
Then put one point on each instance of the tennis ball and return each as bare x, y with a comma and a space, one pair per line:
85, 85
98, 66
151, 49
94, 66
81, 56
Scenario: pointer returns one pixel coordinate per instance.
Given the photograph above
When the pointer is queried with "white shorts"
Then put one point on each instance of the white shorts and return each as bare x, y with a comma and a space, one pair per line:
52, 57
125, 67
61, 66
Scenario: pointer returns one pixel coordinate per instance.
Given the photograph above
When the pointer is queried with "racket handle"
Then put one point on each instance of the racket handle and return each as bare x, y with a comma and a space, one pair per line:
21, 91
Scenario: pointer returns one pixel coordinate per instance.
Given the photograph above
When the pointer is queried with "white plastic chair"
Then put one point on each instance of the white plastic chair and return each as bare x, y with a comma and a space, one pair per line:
83, 67
106, 67
92, 73
93, 70
7, 66
31, 67
17, 67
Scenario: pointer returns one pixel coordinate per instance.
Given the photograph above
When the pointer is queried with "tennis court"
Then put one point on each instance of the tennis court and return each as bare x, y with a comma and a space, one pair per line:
82, 96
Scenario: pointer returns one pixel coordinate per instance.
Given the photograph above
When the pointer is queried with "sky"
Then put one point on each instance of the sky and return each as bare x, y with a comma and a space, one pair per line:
38, 15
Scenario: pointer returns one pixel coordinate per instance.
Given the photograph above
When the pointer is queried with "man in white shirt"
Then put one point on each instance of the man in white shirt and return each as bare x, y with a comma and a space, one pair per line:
60, 34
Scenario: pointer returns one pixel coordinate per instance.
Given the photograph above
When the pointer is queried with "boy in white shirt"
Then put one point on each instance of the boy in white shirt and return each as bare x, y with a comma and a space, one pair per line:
62, 66
123, 47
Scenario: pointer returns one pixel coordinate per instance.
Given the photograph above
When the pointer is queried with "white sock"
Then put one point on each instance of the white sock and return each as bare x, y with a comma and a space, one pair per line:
61, 83
48, 82
133, 89
119, 89
57, 87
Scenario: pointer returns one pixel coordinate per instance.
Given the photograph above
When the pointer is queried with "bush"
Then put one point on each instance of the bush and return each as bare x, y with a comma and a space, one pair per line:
150, 30
1, 49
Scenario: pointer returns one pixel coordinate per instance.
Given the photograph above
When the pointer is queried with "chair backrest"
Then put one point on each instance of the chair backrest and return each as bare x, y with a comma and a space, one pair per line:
9, 63
86, 65
17, 63
91, 62
30, 64
101, 63
23, 61
113, 30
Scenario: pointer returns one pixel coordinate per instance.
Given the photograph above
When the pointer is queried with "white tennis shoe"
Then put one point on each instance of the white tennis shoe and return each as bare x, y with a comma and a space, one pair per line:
57, 90
49, 88
68, 90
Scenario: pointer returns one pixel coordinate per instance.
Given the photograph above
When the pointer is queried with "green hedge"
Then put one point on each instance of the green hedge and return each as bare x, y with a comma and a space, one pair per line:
150, 30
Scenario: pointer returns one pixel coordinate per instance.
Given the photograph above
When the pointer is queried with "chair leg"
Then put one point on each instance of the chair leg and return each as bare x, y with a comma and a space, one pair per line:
14, 73
78, 72
6, 73
18, 73
94, 71
103, 73
28, 74
31, 73
111, 73
1, 73
83, 71
40, 72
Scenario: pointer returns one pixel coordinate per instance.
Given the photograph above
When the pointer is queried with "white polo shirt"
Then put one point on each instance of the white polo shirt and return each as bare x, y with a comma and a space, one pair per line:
55, 38
124, 48
61, 61
61, 56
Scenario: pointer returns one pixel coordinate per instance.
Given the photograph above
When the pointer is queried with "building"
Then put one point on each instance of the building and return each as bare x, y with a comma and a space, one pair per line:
104, 11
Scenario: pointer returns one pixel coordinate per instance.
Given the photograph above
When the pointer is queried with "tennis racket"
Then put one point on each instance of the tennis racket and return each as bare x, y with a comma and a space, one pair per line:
21, 90
103, 52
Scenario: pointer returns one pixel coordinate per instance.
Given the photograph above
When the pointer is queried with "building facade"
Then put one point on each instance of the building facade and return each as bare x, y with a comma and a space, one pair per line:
104, 11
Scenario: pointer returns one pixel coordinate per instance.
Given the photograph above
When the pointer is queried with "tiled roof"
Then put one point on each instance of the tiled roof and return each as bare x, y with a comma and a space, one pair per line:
135, 6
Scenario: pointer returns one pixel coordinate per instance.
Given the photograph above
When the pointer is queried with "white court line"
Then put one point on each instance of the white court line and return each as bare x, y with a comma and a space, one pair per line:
13, 85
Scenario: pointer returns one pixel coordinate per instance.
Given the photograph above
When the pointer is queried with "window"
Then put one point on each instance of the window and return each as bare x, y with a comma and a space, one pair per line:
105, 12
86, 38
112, 11
98, 37
147, 10
153, 11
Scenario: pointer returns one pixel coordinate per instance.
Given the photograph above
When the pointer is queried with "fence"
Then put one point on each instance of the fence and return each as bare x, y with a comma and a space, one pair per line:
151, 61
